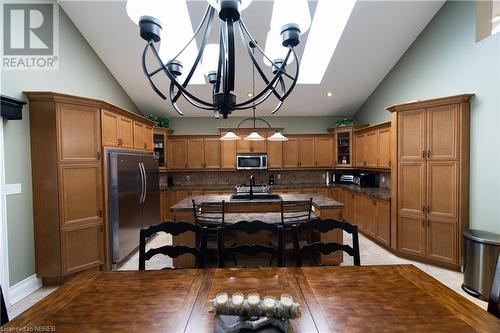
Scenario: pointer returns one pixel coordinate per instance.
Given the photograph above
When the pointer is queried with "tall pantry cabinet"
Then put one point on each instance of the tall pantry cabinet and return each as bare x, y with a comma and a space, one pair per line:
69, 137
430, 186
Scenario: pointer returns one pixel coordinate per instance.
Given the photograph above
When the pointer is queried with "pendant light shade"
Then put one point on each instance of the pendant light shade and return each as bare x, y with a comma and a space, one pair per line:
254, 136
230, 136
277, 136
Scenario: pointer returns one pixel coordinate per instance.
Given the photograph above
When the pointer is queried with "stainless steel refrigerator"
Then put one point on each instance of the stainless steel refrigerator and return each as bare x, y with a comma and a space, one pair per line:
134, 200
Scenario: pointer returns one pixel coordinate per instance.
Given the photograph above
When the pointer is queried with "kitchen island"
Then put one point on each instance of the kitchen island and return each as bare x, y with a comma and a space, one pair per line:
265, 210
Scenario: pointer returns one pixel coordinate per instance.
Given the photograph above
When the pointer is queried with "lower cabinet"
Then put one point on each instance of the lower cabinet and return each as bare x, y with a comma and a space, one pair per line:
371, 215
81, 248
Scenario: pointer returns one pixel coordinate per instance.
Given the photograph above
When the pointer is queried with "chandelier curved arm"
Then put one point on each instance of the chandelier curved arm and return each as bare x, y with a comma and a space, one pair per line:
207, 12
200, 52
294, 82
220, 62
280, 101
254, 61
172, 77
247, 33
270, 85
229, 63
171, 93
150, 75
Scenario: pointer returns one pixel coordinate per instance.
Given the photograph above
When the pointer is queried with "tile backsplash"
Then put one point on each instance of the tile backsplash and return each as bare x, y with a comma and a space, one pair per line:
261, 177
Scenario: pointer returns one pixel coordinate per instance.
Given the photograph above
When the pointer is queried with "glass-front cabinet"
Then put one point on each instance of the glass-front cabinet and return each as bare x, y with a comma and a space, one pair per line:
344, 144
160, 146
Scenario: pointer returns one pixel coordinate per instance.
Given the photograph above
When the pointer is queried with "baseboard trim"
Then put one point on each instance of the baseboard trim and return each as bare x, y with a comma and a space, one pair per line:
23, 288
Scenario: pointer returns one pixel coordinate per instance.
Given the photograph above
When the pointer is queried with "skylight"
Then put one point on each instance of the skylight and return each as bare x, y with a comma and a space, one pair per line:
327, 27
176, 30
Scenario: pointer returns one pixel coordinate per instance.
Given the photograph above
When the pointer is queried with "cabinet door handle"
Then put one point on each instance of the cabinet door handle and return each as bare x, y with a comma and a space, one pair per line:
99, 213
98, 155
389, 163
423, 209
428, 153
145, 145
428, 209
423, 223
423, 153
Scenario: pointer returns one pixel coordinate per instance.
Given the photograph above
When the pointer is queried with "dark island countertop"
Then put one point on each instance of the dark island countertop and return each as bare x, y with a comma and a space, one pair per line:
375, 192
319, 201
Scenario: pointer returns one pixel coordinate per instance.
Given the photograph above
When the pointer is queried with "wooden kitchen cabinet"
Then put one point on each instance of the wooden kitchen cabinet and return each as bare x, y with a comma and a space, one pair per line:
291, 153
143, 136
195, 154
431, 175
371, 149
228, 154
211, 153
168, 199
384, 148
359, 149
383, 218
343, 146
274, 154
118, 131
306, 152
68, 136
348, 201
79, 133
335, 194
160, 146
177, 153
203, 153
323, 151
246, 146
369, 209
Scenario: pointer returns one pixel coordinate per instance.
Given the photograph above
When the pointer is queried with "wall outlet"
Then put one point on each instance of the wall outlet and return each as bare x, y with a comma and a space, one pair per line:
279, 176
382, 179
188, 178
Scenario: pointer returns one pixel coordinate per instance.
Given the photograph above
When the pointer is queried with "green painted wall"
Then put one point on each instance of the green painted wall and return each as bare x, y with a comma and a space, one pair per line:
292, 125
446, 60
82, 73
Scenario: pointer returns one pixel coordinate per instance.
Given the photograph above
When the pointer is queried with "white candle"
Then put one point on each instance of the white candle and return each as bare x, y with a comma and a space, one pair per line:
237, 299
286, 300
253, 299
221, 298
269, 302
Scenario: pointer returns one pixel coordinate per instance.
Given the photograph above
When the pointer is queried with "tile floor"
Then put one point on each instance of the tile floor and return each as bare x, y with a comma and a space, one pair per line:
371, 254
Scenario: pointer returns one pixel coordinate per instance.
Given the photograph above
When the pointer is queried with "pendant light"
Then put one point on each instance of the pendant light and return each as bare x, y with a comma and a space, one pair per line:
253, 136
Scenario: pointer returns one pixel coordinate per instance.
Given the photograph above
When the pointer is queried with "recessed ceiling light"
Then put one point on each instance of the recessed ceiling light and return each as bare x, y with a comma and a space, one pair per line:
329, 94
250, 94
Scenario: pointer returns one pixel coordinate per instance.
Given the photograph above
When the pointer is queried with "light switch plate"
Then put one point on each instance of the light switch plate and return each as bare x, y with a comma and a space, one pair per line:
11, 189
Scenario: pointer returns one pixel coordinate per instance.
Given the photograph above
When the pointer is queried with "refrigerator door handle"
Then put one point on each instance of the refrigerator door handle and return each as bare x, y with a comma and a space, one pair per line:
145, 183
142, 183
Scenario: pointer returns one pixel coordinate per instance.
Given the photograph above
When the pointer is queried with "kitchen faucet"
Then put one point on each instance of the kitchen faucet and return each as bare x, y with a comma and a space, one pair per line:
252, 184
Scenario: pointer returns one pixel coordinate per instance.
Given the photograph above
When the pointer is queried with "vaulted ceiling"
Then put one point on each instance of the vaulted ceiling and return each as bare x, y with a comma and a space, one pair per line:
376, 36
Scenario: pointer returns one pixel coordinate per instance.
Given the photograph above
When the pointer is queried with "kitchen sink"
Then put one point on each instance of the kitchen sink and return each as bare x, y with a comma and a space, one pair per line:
256, 196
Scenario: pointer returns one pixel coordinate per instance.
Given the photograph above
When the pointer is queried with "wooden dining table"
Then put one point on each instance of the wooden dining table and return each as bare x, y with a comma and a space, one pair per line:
391, 298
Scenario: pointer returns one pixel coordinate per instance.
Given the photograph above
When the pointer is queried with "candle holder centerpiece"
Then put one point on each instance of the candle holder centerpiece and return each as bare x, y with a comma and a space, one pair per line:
253, 312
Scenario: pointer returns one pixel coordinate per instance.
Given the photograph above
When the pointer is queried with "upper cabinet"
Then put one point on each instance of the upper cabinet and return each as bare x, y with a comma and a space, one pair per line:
194, 152
275, 154
117, 131
245, 146
160, 137
372, 147
343, 149
79, 133
143, 136
291, 153
306, 152
323, 151
228, 154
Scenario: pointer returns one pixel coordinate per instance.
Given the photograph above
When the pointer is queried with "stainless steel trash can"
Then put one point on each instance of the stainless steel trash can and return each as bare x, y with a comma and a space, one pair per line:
481, 249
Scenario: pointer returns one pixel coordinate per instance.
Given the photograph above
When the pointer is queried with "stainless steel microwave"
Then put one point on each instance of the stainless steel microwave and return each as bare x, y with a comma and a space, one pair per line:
251, 161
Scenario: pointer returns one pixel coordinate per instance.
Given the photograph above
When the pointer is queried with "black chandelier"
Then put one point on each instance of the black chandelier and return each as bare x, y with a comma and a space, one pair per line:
222, 78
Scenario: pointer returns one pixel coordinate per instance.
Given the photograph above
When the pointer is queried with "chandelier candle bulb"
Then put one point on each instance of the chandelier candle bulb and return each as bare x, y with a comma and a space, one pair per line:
286, 301
222, 298
269, 302
237, 299
253, 299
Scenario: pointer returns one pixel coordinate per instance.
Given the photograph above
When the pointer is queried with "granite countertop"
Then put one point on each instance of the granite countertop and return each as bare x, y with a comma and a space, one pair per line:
375, 192
319, 201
